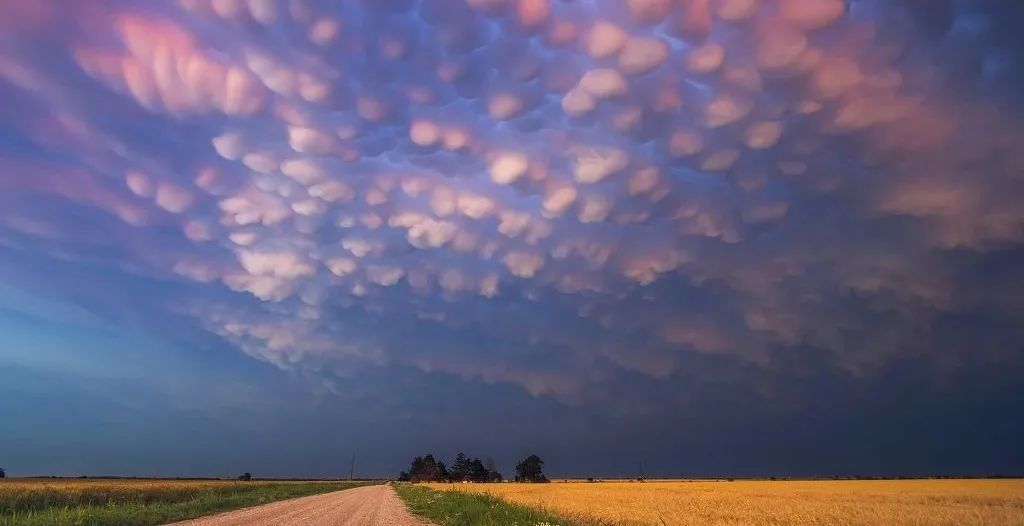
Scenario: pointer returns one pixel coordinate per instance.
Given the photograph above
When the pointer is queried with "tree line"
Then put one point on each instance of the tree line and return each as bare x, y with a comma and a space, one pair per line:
429, 469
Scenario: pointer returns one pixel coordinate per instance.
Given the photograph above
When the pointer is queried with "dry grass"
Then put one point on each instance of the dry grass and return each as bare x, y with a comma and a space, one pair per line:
29, 493
19, 495
122, 502
837, 503
77, 484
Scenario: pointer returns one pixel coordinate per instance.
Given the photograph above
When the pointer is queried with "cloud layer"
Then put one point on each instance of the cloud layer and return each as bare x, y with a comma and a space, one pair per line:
564, 196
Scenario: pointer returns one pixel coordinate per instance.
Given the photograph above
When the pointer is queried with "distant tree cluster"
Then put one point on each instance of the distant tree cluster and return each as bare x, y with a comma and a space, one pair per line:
530, 469
425, 469
463, 469
2, 473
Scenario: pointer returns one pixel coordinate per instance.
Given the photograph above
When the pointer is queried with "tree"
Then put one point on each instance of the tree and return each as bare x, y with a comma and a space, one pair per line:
3, 473
427, 469
245, 476
403, 477
416, 467
477, 471
492, 470
423, 469
530, 469
460, 468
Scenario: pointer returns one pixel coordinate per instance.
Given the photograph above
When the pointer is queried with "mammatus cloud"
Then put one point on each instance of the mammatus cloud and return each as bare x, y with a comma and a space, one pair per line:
604, 187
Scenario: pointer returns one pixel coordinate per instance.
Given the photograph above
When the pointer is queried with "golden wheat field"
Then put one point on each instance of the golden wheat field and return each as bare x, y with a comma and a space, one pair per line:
836, 503
39, 493
91, 483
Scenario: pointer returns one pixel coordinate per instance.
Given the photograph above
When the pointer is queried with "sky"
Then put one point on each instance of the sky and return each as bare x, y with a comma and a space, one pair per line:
683, 237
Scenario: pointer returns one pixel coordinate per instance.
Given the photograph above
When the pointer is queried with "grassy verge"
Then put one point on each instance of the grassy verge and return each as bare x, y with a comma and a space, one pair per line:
142, 504
460, 508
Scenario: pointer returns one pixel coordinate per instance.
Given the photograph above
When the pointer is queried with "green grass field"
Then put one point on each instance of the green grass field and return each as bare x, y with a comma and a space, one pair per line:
39, 502
459, 508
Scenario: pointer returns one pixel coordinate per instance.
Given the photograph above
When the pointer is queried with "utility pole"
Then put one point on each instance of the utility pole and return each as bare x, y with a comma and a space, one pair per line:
352, 466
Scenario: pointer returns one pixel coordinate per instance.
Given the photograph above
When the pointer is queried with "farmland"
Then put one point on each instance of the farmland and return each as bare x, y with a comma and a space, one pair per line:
100, 502
840, 503
463, 508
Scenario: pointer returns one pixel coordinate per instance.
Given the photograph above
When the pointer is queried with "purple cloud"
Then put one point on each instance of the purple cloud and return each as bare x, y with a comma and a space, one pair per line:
607, 188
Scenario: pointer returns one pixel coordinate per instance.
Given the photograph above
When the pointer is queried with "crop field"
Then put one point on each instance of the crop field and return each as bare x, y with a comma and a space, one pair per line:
837, 503
91, 502
463, 508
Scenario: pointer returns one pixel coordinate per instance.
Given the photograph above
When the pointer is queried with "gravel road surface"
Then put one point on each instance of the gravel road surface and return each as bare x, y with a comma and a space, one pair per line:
365, 506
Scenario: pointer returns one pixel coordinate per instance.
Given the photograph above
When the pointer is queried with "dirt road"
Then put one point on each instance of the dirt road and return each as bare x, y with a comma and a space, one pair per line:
366, 506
